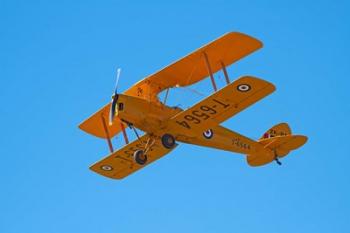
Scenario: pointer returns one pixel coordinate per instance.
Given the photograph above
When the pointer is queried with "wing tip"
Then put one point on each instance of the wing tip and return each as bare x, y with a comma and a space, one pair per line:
250, 77
101, 172
259, 43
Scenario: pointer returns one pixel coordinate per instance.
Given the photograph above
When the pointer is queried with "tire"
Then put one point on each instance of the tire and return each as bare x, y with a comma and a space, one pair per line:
168, 141
140, 157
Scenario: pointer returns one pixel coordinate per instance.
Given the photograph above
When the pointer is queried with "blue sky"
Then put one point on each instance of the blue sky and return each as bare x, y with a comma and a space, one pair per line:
57, 66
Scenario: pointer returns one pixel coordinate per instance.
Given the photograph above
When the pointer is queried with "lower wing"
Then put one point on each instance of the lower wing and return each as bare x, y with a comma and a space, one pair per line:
220, 106
121, 163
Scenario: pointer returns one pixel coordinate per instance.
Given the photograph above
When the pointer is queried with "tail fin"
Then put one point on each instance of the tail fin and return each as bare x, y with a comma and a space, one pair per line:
281, 129
278, 142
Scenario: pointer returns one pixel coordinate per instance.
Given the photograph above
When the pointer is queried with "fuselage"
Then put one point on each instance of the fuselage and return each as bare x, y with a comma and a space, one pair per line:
150, 117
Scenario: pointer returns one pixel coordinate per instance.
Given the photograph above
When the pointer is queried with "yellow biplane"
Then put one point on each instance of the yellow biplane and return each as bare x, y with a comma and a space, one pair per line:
139, 107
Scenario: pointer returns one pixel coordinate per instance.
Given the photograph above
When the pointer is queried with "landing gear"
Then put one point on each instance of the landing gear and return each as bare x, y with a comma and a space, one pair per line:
168, 141
140, 157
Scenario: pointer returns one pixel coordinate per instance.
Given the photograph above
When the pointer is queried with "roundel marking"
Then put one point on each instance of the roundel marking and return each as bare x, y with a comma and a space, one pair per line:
243, 87
106, 168
208, 134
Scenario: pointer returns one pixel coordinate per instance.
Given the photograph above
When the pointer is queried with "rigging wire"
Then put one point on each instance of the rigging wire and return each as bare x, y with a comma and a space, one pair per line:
192, 90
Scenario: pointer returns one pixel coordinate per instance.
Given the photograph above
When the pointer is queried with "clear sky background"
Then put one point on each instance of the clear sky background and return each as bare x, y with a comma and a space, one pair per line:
58, 61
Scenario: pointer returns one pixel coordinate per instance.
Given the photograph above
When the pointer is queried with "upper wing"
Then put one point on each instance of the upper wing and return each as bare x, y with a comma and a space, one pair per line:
192, 68
188, 70
95, 126
120, 163
220, 106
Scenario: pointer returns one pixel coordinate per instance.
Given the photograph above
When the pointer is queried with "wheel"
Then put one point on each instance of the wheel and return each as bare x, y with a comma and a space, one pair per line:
140, 157
168, 141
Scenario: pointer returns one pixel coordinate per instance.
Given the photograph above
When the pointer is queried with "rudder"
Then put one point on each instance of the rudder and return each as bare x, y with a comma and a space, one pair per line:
281, 129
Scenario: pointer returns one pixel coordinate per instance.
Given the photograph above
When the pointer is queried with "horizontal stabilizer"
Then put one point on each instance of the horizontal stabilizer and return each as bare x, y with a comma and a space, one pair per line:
282, 144
277, 143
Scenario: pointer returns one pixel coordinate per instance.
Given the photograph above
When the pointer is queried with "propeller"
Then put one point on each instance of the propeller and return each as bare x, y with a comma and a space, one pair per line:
114, 99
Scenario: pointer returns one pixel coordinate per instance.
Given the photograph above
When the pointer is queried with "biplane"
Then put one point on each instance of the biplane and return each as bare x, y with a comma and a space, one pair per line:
165, 127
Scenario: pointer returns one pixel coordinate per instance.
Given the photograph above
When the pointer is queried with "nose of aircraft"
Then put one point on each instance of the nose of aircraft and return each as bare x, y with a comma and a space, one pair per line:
113, 108
114, 100
120, 105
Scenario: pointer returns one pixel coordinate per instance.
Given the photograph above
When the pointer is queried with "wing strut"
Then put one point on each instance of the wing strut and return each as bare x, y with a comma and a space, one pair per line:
225, 73
131, 126
210, 71
107, 133
124, 133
